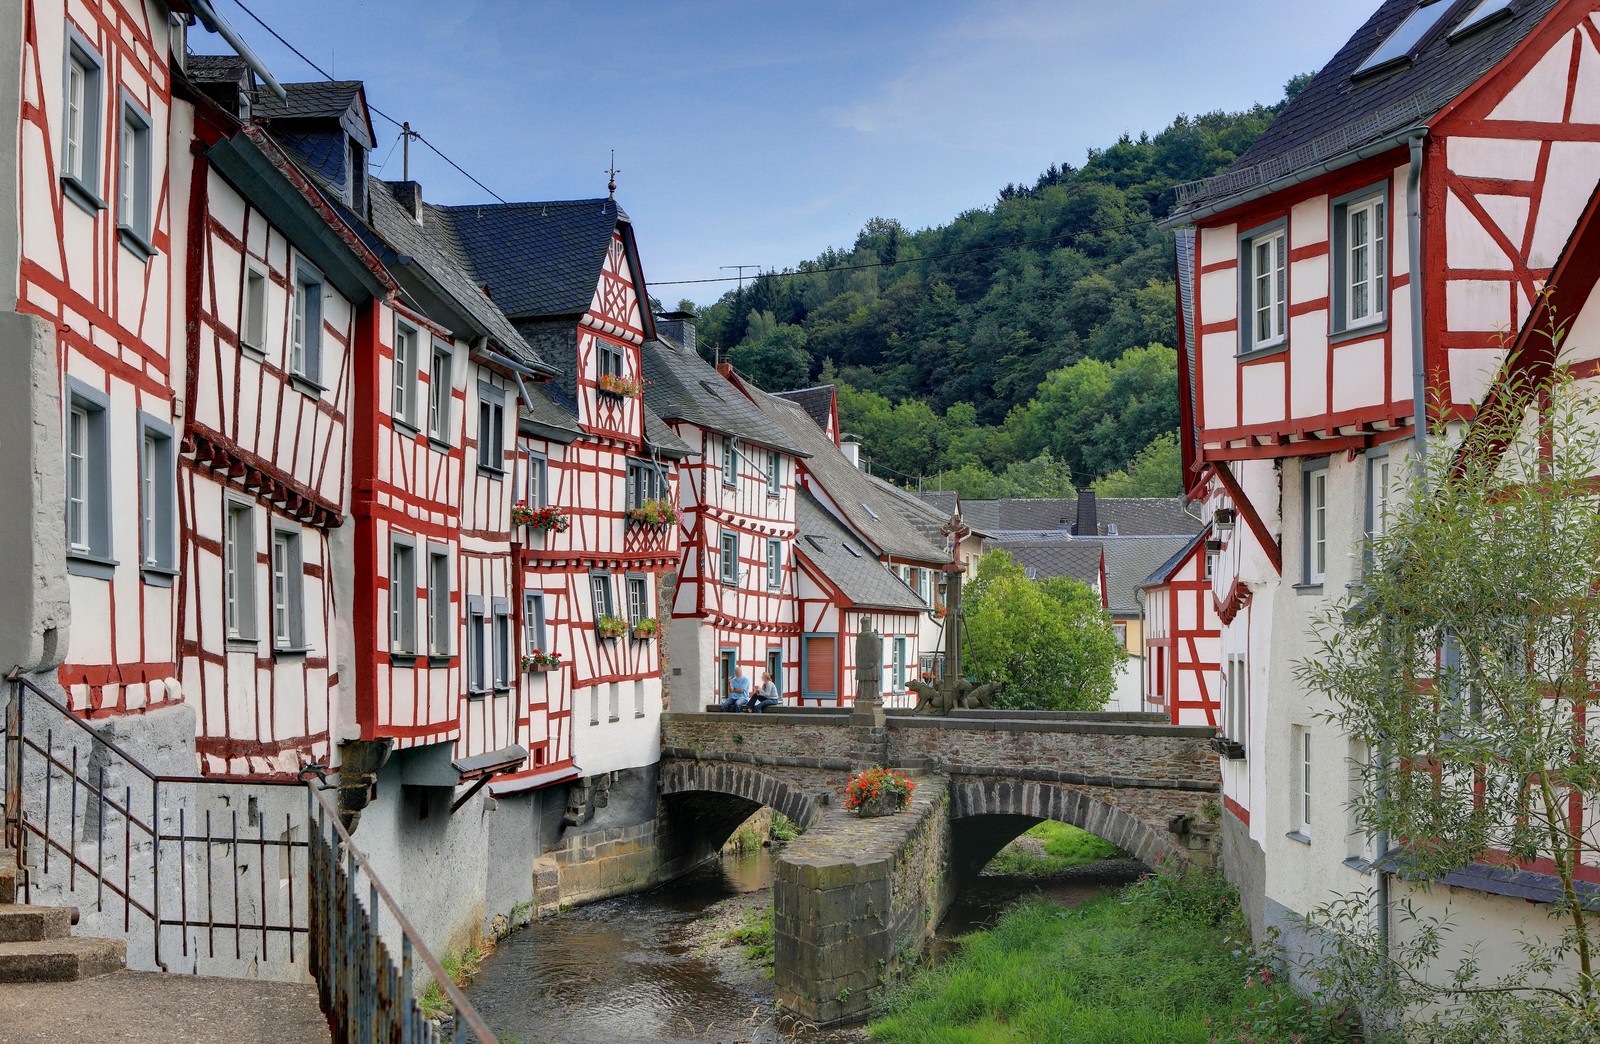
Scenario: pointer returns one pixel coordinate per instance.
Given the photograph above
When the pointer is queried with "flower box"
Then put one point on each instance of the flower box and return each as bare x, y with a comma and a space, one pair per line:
657, 513
545, 518
643, 630
618, 387
541, 661
611, 627
878, 792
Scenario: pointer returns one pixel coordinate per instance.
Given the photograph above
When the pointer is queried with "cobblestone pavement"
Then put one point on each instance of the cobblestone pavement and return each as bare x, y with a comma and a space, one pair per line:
150, 1008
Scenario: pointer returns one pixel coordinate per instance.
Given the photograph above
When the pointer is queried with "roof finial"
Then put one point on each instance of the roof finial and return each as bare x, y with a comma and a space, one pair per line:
611, 186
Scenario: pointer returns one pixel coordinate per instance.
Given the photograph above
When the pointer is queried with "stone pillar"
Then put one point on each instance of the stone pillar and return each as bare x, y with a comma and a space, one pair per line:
868, 728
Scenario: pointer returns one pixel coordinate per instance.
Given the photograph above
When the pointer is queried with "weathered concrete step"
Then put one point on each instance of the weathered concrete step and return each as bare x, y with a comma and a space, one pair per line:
61, 960
34, 923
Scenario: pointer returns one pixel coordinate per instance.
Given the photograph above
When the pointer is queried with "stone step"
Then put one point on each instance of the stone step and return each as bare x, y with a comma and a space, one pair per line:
61, 960
35, 923
10, 876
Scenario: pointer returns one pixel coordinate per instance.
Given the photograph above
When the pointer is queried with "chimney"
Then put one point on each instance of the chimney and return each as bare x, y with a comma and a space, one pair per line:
1088, 517
680, 327
851, 447
409, 196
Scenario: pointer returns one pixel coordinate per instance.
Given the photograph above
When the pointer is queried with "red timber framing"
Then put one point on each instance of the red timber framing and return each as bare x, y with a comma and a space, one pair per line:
828, 618
1183, 636
106, 293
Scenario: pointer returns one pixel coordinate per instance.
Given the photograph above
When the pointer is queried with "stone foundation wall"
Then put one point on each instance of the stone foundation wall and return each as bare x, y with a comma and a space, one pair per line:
775, 738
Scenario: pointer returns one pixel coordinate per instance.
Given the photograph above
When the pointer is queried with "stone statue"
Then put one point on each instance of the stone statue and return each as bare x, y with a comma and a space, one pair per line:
869, 659
953, 694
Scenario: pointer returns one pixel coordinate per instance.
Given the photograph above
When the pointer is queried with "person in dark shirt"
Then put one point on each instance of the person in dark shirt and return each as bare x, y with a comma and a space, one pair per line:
767, 695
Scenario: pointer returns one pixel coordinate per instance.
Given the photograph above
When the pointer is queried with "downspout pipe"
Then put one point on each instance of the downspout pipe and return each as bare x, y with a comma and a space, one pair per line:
219, 25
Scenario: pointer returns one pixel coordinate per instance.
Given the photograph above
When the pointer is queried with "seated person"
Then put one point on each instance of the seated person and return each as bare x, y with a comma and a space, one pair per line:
767, 695
738, 691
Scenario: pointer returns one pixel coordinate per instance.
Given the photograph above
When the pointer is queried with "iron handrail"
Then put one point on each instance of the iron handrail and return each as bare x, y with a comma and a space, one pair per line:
467, 1017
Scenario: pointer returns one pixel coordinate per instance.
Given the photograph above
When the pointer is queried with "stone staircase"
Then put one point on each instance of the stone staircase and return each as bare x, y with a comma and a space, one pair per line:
35, 941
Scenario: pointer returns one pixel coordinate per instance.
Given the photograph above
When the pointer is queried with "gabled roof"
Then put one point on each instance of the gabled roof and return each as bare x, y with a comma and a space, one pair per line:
919, 514
538, 260
1129, 560
866, 508
847, 563
1336, 117
321, 100
1131, 516
1163, 572
817, 402
1077, 559
681, 386
1010, 514
217, 68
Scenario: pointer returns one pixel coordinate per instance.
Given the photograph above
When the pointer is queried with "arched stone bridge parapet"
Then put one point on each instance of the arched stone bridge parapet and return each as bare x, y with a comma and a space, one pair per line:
793, 799
975, 799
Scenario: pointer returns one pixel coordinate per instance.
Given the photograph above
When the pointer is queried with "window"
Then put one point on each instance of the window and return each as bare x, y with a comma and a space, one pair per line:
1301, 814
253, 320
1486, 12
533, 622
404, 404
819, 663
1235, 721
774, 564
537, 481
898, 665
645, 482
81, 123
1378, 486
402, 596
638, 599
239, 569
1360, 259
600, 589
491, 430
305, 335
774, 473
1210, 566
730, 462
440, 620
439, 394
775, 668
133, 178
158, 528
1361, 846
729, 570
88, 476
1404, 41
1316, 522
1120, 629
727, 663
477, 647
609, 359
288, 591
502, 644
1263, 288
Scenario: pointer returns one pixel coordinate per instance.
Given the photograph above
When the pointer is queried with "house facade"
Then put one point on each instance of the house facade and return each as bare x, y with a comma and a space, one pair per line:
1182, 637
1347, 291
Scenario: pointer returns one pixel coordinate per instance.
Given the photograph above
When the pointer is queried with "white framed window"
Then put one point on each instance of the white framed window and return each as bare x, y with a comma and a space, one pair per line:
1361, 843
158, 515
1264, 289
774, 564
403, 403
897, 665
730, 461
402, 595
477, 646
88, 508
533, 622
134, 181
774, 473
503, 644
439, 394
239, 569
305, 334
646, 481
81, 122
1301, 813
603, 596
253, 309
1235, 716
729, 558
288, 590
1379, 485
1363, 260
1208, 569
638, 599
1316, 521
536, 481
491, 430
441, 621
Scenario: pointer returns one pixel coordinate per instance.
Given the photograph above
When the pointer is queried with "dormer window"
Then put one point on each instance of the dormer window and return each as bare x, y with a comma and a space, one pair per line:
356, 176
1402, 44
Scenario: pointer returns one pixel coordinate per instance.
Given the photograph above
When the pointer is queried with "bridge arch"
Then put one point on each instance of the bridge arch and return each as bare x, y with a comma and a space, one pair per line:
986, 815
711, 799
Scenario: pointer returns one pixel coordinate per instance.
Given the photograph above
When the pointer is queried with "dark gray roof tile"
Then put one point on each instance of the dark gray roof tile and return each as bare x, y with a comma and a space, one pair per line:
681, 386
817, 402
537, 259
847, 563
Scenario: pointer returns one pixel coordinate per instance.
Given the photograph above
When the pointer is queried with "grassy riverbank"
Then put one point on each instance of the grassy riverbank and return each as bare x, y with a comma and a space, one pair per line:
1158, 962
1051, 847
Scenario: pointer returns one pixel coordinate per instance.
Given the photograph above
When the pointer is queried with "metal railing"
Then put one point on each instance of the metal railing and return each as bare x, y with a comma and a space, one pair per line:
365, 996
162, 861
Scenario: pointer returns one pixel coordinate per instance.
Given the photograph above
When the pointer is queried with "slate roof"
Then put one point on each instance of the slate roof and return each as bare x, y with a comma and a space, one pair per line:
1335, 115
1133, 516
681, 386
996, 516
1129, 560
944, 501
923, 517
1078, 559
216, 68
867, 509
538, 260
1163, 572
860, 576
817, 402
320, 99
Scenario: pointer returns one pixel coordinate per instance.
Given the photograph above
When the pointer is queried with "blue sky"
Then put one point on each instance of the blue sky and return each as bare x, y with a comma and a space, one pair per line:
761, 133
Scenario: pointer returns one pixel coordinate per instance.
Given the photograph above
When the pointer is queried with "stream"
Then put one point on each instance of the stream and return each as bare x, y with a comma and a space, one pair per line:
656, 967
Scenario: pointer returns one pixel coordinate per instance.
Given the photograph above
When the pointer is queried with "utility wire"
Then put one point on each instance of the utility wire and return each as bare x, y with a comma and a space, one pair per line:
913, 260
373, 108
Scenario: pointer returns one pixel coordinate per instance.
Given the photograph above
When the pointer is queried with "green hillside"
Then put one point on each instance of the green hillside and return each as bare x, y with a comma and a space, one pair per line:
1021, 349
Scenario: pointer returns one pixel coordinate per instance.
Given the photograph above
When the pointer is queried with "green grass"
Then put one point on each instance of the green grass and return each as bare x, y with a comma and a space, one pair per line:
1124, 968
756, 937
1065, 847
783, 828
462, 966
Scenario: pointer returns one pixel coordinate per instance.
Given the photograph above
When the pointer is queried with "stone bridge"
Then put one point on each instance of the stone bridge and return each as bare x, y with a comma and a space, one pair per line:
857, 900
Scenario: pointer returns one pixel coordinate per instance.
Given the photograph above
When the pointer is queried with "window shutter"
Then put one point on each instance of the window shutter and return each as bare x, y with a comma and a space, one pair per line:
821, 663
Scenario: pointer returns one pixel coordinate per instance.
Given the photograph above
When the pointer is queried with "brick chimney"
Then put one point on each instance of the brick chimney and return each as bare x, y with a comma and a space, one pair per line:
409, 196
1088, 524
679, 326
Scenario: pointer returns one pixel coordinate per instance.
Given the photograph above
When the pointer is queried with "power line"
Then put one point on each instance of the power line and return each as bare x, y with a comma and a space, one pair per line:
372, 108
914, 260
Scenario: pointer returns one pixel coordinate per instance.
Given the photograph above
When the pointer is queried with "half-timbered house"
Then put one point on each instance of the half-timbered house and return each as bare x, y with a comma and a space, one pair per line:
1182, 637
736, 604
1345, 292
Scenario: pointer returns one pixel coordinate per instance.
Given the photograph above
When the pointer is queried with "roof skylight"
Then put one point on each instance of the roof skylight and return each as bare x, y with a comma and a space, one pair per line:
1480, 15
1405, 39
868, 510
853, 552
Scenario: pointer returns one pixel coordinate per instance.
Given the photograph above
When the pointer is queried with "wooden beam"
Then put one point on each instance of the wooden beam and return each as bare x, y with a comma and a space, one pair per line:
1251, 517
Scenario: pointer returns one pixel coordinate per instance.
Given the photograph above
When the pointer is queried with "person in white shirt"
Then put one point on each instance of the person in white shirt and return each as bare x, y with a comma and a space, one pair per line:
767, 695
